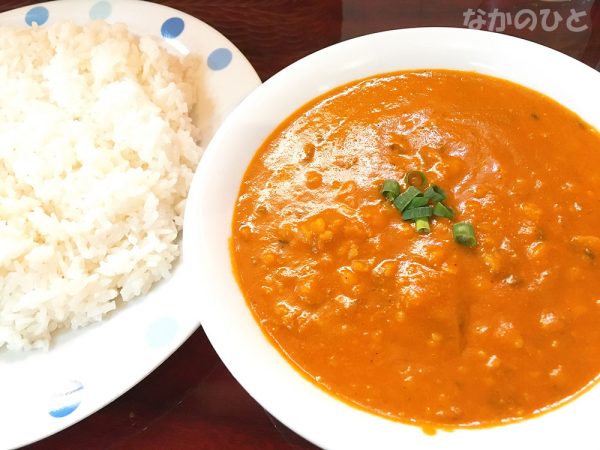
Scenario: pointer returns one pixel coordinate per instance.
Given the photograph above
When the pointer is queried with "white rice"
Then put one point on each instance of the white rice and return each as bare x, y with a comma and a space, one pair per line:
97, 150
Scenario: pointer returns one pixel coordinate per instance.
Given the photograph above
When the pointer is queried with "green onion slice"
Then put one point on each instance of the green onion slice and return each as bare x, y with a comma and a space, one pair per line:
422, 225
413, 175
402, 201
435, 193
390, 189
442, 210
417, 213
417, 202
464, 234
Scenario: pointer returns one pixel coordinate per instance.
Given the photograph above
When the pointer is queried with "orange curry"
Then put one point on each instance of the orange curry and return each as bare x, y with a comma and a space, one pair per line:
416, 327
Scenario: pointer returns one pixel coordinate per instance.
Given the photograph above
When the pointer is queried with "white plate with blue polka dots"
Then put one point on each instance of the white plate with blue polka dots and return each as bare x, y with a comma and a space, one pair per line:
45, 392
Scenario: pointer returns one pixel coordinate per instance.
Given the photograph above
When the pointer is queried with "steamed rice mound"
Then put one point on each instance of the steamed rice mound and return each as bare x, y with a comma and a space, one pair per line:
97, 151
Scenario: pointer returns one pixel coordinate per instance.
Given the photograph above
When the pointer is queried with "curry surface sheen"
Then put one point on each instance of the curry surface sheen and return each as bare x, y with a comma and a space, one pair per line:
418, 328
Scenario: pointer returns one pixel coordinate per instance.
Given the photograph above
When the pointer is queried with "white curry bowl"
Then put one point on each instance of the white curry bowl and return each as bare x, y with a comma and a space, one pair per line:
226, 318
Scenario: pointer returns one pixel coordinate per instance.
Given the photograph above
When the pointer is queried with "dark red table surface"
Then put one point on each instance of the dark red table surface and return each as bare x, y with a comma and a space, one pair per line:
191, 401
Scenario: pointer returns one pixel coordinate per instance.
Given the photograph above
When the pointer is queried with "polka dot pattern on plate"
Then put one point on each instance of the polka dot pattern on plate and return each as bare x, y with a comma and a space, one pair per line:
172, 28
161, 332
66, 400
38, 15
219, 58
100, 10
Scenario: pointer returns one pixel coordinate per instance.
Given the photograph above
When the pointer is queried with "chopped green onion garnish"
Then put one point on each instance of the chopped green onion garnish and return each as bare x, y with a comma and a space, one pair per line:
422, 225
417, 213
402, 201
390, 189
442, 210
417, 202
464, 234
435, 193
410, 177
419, 206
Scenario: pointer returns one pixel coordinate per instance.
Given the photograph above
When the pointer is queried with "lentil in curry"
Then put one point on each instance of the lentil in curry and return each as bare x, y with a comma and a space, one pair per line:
415, 327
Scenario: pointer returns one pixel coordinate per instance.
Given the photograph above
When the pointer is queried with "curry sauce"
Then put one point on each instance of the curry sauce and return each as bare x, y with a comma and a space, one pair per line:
415, 327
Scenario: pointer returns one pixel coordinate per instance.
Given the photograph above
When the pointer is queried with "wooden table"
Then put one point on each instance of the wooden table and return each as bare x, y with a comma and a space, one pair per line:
191, 401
